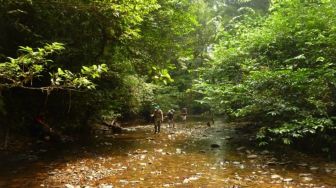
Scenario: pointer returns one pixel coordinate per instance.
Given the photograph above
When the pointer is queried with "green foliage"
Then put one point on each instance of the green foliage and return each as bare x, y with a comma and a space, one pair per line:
22, 71
278, 70
154, 51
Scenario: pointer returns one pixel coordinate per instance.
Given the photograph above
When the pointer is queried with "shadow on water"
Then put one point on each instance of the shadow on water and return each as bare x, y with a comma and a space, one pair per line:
21, 169
192, 155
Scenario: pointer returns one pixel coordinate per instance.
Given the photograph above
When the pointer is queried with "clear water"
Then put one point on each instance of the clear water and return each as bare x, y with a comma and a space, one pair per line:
181, 157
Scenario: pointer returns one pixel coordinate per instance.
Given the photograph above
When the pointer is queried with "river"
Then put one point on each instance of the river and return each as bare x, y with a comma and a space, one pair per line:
192, 155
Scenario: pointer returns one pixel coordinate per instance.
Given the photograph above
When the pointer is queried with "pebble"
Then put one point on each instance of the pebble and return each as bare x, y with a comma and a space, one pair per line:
271, 163
252, 156
287, 180
236, 162
275, 176
305, 174
123, 181
328, 170
313, 168
265, 152
69, 186
307, 178
302, 164
193, 178
52, 173
240, 148
185, 181
105, 186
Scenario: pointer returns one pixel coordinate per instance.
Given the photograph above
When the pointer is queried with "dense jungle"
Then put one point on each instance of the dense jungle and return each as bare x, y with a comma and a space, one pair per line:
167, 93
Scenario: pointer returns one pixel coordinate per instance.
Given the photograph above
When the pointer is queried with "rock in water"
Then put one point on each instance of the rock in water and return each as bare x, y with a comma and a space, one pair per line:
287, 180
305, 174
215, 145
185, 181
307, 179
240, 148
68, 186
314, 168
252, 156
276, 176
236, 162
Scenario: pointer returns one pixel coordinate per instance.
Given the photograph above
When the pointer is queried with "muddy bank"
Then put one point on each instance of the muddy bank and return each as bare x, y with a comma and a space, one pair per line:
193, 155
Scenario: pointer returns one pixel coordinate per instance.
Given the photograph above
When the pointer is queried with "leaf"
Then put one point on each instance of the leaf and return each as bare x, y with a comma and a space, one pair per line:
60, 72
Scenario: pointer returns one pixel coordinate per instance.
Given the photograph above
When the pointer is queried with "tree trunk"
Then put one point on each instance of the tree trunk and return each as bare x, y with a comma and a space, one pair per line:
6, 138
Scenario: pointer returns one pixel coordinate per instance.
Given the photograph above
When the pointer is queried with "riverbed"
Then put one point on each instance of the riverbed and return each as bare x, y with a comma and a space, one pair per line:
191, 155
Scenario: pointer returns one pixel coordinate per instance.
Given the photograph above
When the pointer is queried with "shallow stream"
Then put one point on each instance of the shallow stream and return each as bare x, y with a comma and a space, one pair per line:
192, 155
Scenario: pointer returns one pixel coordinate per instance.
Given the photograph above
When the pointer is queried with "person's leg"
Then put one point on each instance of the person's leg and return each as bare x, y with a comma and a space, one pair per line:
169, 123
159, 125
155, 126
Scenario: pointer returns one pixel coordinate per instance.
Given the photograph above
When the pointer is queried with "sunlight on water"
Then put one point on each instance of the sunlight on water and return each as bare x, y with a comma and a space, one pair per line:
193, 155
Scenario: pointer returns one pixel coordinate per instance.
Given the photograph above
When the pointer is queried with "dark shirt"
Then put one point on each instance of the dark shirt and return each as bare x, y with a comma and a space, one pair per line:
170, 115
184, 111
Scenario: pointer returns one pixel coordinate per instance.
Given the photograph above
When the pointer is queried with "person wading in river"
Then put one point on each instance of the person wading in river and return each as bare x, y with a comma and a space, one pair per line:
158, 118
184, 113
170, 117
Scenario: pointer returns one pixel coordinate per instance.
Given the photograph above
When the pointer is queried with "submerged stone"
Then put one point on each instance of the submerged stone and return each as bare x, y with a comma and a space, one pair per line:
287, 180
313, 168
215, 146
240, 148
252, 156
236, 162
305, 174
307, 178
275, 176
106, 186
302, 164
69, 186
